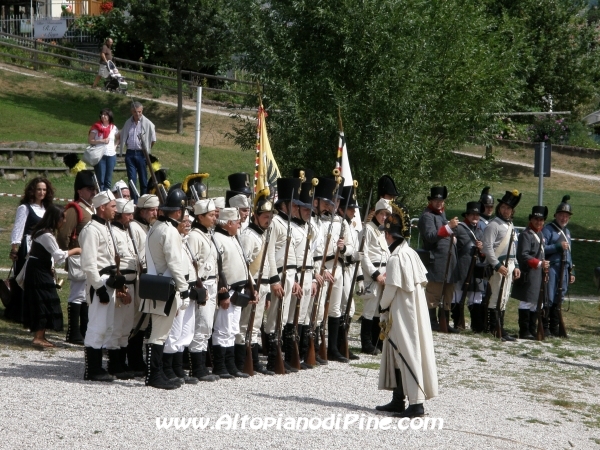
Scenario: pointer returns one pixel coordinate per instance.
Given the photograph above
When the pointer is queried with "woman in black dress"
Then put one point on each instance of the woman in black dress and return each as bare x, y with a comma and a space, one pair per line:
41, 301
38, 196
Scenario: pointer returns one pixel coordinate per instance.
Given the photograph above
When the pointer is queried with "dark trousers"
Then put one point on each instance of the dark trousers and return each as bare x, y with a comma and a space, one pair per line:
135, 163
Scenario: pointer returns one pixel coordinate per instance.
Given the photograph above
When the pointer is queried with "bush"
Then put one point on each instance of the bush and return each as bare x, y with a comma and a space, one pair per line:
548, 129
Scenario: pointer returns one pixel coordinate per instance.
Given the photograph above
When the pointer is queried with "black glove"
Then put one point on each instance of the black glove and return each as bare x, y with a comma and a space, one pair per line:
184, 294
102, 294
116, 281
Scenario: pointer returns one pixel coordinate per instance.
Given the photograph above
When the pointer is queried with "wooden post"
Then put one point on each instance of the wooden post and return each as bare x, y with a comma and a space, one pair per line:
35, 56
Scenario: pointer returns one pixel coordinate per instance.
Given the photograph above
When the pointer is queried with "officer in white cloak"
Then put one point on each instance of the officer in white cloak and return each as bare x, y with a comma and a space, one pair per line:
409, 342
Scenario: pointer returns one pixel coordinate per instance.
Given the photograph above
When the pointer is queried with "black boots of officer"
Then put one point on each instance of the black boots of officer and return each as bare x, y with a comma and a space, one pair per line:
256, 364
179, 371
303, 346
397, 404
167, 368
199, 369
288, 347
435, 326
552, 323
93, 366
135, 354
155, 377
76, 322
239, 353
366, 336
116, 365
375, 332
525, 322
447, 317
333, 354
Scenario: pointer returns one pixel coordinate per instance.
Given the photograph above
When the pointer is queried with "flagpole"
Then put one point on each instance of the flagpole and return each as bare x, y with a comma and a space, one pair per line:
340, 119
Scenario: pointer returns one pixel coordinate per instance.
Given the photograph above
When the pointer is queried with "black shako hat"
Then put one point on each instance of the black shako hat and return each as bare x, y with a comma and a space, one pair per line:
473, 208
240, 183
349, 193
285, 186
511, 198
539, 212
325, 188
438, 193
306, 193
386, 186
564, 206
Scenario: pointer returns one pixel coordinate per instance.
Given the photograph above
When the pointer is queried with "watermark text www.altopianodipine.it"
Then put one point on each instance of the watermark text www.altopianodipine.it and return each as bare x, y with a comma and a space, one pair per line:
227, 422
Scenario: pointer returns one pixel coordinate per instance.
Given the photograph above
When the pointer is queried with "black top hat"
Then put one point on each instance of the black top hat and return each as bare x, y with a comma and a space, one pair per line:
564, 206
473, 208
539, 212
486, 198
285, 186
386, 186
438, 193
303, 174
511, 198
306, 194
349, 194
324, 190
240, 183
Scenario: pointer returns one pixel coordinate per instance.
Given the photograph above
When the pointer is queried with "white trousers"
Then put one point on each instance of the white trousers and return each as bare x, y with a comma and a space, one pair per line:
182, 330
472, 297
304, 301
347, 281
495, 282
204, 318
337, 292
122, 323
240, 338
272, 312
101, 318
227, 325
77, 292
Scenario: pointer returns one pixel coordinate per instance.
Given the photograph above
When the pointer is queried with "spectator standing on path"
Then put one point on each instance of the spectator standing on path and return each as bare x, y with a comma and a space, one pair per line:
105, 56
104, 132
135, 161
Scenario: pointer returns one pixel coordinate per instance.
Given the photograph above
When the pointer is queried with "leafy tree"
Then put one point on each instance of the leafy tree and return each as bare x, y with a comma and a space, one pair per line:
414, 79
185, 34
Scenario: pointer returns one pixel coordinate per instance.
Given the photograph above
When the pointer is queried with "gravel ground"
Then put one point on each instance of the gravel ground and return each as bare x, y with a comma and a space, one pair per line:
492, 395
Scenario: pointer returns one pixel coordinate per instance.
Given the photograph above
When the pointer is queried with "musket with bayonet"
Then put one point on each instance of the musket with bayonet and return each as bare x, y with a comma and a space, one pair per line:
323, 344
498, 331
465, 289
311, 354
279, 367
162, 197
248, 363
344, 348
134, 189
562, 330
295, 360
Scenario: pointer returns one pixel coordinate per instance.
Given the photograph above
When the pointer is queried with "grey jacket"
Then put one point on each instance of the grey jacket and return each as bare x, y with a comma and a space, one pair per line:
439, 248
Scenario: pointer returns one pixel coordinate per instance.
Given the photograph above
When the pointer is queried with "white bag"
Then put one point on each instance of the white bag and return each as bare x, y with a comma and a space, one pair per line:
20, 278
93, 154
74, 269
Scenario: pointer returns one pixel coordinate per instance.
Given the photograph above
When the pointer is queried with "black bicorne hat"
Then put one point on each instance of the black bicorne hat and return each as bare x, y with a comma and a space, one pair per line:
325, 188
564, 206
486, 198
511, 198
349, 194
386, 186
285, 186
240, 183
473, 208
438, 193
539, 212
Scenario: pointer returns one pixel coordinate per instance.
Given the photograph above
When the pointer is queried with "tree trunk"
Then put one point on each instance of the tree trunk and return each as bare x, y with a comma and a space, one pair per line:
179, 100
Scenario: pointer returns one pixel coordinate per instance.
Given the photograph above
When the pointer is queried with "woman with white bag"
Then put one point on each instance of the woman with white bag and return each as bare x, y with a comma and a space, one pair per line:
103, 138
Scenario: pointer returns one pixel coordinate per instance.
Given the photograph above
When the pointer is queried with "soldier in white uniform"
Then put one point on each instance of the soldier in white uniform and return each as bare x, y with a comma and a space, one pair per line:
204, 250
182, 330
253, 240
351, 259
374, 263
164, 257
242, 203
287, 189
124, 310
233, 275
98, 264
144, 216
